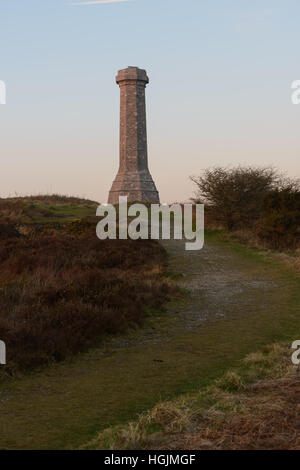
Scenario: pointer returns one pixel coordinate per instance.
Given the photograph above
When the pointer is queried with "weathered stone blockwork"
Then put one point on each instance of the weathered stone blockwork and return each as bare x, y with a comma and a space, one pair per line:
133, 179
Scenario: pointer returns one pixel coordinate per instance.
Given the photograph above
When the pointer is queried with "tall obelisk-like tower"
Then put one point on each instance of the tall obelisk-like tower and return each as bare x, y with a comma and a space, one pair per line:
133, 179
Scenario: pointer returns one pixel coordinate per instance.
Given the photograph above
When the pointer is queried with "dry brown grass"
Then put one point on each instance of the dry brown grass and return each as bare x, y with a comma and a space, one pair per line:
264, 414
267, 418
257, 407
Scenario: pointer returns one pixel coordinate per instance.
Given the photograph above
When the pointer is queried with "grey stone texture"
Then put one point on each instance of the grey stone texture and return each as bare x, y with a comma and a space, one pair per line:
133, 179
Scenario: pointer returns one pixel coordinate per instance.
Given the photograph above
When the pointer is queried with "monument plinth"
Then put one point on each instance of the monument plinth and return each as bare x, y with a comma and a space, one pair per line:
133, 179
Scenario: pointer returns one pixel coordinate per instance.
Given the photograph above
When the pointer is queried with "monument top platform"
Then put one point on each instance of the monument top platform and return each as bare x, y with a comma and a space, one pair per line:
132, 73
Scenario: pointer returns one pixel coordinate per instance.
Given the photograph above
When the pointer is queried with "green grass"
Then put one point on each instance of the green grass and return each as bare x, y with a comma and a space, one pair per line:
61, 214
45, 209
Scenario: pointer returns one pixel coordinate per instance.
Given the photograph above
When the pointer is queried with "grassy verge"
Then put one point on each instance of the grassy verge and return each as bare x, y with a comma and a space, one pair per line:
244, 239
44, 209
254, 406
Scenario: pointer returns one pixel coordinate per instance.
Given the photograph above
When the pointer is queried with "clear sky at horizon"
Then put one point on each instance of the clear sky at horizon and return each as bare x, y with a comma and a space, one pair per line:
219, 93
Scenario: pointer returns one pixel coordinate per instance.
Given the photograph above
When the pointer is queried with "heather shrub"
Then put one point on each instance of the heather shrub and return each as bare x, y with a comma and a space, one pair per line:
60, 294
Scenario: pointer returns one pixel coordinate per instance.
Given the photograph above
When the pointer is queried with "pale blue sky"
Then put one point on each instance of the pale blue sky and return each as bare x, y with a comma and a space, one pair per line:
220, 77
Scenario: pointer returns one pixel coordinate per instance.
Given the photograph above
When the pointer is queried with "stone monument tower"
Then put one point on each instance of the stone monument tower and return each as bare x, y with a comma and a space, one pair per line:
133, 179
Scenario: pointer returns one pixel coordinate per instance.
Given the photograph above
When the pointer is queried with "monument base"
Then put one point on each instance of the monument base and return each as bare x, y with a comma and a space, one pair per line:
138, 187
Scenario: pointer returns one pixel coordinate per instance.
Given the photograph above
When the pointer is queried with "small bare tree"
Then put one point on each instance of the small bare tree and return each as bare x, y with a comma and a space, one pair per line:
235, 195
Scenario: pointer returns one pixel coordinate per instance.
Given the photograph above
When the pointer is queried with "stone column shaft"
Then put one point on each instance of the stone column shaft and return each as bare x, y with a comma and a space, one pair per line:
133, 179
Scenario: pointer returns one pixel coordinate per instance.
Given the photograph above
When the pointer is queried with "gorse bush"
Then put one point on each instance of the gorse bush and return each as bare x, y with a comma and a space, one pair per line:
60, 294
235, 195
279, 223
257, 200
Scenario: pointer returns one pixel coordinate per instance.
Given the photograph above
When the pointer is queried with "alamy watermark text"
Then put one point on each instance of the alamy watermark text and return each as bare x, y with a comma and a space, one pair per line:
153, 222
296, 92
2, 92
2, 353
296, 354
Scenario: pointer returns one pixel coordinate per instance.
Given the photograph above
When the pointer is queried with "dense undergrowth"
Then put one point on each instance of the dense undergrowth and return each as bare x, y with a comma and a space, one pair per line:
62, 289
258, 204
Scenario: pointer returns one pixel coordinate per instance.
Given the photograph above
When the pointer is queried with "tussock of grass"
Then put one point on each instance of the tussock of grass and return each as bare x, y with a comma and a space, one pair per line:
230, 382
237, 411
166, 417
